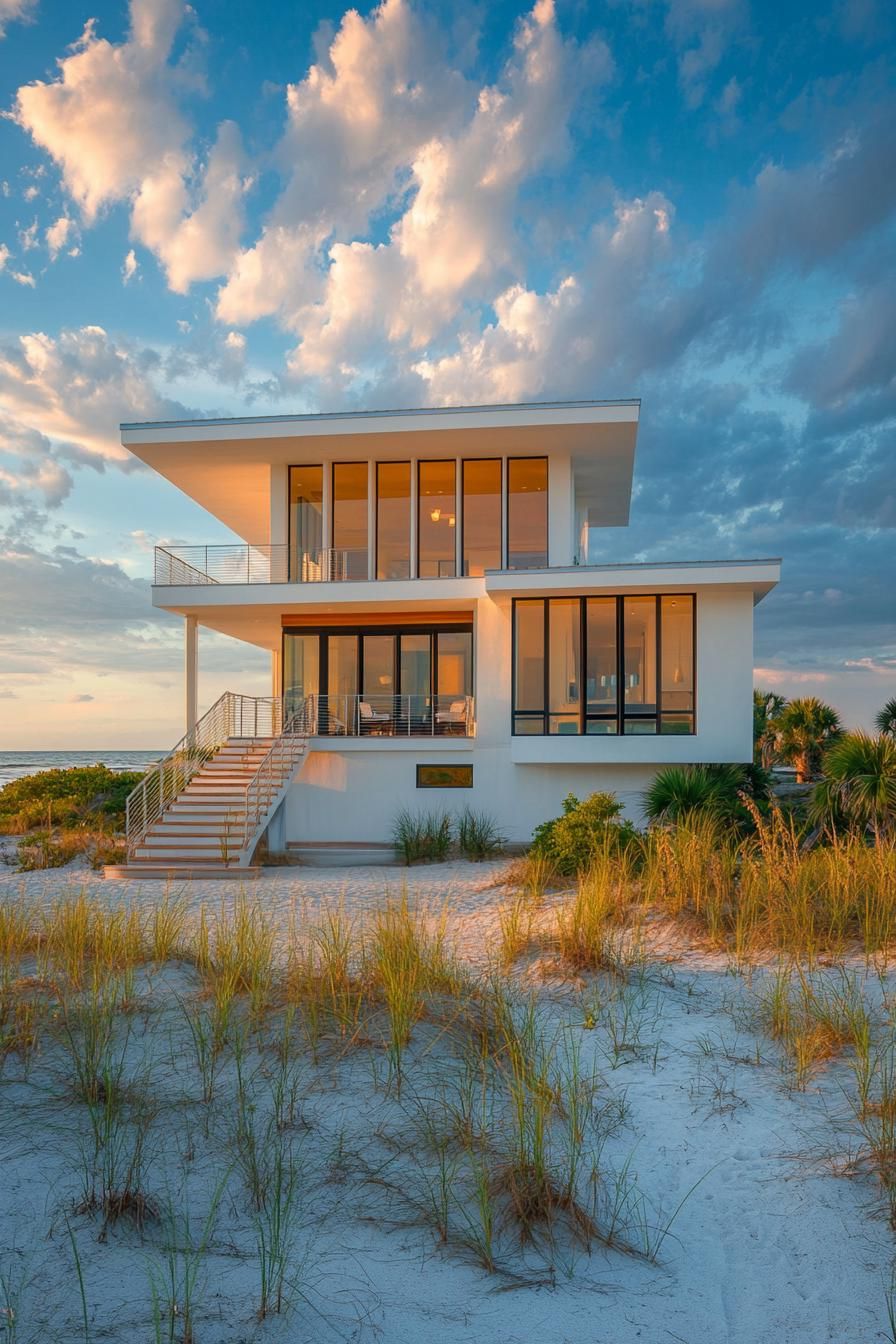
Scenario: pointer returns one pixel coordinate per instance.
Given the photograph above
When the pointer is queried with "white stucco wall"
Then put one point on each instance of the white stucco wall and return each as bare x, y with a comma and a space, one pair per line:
353, 792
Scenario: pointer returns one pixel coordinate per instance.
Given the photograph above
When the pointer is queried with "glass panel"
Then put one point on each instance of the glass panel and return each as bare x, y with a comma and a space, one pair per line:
301, 669
638, 727
527, 512
379, 665
601, 727
639, 662
444, 776
436, 520
393, 520
349, 520
455, 663
675, 723
600, 660
416, 673
564, 664
677, 656
528, 727
305, 522
342, 683
528, 660
482, 516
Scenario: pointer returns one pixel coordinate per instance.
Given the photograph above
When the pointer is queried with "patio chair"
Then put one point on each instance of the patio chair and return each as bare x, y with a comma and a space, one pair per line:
371, 720
454, 718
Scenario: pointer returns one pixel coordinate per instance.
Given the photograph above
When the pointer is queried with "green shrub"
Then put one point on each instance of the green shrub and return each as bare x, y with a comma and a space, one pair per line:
571, 843
419, 836
53, 797
683, 791
858, 790
478, 836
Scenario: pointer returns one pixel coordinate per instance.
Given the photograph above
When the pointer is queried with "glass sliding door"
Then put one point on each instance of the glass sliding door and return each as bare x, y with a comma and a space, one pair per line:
436, 520
415, 676
393, 520
564, 665
454, 664
301, 670
342, 684
305, 525
481, 521
639, 665
600, 666
350, 559
677, 664
527, 512
528, 666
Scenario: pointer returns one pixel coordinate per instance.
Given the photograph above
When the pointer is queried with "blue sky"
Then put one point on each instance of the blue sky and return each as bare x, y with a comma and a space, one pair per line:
233, 207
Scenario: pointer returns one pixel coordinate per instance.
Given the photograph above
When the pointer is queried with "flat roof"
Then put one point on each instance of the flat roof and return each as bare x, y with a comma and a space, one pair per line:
230, 466
315, 416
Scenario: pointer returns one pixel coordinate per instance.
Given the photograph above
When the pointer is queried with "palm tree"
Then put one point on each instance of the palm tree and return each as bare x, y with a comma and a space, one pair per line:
766, 708
886, 719
859, 785
804, 729
680, 792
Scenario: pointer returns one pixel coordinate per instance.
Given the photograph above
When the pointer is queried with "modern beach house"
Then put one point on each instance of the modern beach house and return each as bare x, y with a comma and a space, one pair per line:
437, 632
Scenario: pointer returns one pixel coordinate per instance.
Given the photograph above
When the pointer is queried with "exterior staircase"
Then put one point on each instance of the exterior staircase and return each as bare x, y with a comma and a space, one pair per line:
202, 810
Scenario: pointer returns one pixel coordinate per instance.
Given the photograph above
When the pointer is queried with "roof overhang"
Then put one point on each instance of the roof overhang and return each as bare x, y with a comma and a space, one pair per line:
225, 465
759, 576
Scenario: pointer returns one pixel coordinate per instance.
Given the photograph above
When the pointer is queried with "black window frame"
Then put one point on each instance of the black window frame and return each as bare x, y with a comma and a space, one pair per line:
392, 462
622, 715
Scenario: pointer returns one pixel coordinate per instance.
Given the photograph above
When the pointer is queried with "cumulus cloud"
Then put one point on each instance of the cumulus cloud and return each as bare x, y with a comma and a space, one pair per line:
113, 123
58, 235
78, 386
129, 266
457, 233
11, 10
378, 94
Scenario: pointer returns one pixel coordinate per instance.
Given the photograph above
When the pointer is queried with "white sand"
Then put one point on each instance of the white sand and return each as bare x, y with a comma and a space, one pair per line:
770, 1246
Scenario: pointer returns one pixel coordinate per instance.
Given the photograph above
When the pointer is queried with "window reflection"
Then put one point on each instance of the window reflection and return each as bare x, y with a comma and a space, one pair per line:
481, 515
436, 520
305, 522
350, 520
527, 512
393, 520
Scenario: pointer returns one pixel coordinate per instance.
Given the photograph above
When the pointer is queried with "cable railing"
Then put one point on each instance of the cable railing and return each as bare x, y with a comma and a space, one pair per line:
189, 566
390, 715
232, 715
274, 770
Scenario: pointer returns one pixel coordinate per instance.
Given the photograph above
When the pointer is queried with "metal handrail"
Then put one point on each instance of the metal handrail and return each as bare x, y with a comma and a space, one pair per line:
190, 566
232, 715
274, 770
390, 715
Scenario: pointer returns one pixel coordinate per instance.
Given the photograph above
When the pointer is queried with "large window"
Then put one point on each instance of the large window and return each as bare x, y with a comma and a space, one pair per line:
604, 665
305, 521
393, 520
401, 680
436, 520
481, 530
527, 512
349, 521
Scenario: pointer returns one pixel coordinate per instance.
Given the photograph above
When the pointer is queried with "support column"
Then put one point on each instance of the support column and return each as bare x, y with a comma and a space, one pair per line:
275, 672
191, 670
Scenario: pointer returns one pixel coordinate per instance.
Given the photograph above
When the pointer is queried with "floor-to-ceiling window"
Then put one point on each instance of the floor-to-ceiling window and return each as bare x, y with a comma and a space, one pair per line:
399, 680
349, 549
604, 665
393, 520
436, 520
527, 512
305, 523
481, 516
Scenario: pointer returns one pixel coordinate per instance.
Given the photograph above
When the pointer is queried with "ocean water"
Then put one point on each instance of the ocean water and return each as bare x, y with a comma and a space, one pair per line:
16, 764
